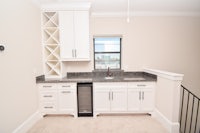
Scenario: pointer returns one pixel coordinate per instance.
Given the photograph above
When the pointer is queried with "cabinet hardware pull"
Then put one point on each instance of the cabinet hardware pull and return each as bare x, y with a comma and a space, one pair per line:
141, 85
66, 91
48, 107
75, 52
47, 96
109, 96
112, 95
143, 95
72, 53
140, 95
47, 86
66, 86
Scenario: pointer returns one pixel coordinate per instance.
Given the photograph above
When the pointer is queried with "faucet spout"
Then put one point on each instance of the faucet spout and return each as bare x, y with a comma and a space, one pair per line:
109, 74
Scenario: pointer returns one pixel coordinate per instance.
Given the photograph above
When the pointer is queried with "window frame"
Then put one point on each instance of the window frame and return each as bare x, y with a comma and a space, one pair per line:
94, 53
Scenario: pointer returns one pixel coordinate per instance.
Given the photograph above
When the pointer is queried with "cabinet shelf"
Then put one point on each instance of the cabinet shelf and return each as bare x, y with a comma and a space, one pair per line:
51, 44
51, 36
50, 19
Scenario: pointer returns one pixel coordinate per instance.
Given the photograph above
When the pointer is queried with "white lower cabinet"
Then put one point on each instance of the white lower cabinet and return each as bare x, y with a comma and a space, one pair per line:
118, 99
131, 97
58, 98
47, 98
141, 97
109, 97
101, 100
67, 99
134, 99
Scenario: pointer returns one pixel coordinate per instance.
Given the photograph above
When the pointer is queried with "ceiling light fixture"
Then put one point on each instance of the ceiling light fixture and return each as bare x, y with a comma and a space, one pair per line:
128, 11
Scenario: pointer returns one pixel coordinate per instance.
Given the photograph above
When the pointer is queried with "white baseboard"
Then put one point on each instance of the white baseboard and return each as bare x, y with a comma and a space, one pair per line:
27, 124
172, 127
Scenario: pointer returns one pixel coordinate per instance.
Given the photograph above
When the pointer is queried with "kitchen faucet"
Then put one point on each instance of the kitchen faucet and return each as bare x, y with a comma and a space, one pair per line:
109, 74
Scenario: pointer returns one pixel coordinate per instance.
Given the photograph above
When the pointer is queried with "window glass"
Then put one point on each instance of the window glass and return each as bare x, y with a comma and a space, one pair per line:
107, 44
107, 52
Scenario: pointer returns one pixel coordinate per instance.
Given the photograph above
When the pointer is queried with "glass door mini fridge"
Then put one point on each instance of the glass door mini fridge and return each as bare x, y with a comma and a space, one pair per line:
85, 99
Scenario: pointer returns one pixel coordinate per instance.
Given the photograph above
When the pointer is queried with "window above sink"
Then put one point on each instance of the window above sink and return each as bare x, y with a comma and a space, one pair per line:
107, 52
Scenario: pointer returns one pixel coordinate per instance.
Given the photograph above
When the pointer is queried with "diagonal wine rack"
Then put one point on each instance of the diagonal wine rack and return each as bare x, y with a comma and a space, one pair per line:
51, 44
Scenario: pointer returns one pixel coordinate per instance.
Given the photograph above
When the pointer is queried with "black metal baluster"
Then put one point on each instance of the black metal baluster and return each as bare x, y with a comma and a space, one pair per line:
195, 123
191, 114
186, 111
182, 109
197, 116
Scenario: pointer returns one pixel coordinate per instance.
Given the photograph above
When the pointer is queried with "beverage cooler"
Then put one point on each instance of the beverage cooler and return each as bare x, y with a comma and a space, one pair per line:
85, 99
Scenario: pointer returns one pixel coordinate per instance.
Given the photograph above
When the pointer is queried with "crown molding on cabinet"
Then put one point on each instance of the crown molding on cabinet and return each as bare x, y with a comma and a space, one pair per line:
66, 6
59, 6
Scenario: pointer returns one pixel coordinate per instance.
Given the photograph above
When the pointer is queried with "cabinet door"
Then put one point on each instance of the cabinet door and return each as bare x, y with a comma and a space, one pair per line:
81, 26
118, 99
67, 100
102, 100
134, 97
147, 103
66, 25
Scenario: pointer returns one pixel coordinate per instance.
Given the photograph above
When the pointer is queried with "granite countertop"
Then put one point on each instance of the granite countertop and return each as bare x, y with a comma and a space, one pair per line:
99, 76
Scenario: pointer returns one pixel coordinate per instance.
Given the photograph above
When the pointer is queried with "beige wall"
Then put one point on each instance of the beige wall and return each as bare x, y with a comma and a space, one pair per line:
20, 31
166, 43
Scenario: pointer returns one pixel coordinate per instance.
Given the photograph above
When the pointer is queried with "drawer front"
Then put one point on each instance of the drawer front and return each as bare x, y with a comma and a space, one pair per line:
48, 107
117, 85
141, 85
67, 86
48, 95
47, 86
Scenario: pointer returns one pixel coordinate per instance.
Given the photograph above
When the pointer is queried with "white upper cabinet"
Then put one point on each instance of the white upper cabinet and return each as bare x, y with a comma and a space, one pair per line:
66, 34
74, 35
81, 21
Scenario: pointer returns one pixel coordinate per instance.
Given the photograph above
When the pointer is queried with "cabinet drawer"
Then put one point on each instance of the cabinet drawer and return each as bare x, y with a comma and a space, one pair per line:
141, 85
48, 95
117, 85
67, 86
47, 86
48, 107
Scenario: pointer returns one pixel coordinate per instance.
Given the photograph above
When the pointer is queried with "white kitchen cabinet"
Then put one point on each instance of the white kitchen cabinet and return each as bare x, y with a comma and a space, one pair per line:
147, 102
141, 97
58, 98
134, 98
118, 99
48, 98
51, 44
130, 97
101, 100
74, 35
110, 97
67, 99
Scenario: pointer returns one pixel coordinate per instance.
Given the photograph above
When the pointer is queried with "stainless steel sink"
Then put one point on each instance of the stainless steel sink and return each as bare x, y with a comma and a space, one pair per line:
109, 78
136, 78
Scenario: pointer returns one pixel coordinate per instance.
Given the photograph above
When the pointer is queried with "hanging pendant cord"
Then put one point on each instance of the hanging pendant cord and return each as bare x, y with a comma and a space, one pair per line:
128, 11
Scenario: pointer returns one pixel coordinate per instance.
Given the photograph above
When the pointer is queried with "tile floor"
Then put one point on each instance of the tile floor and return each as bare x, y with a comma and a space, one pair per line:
101, 124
